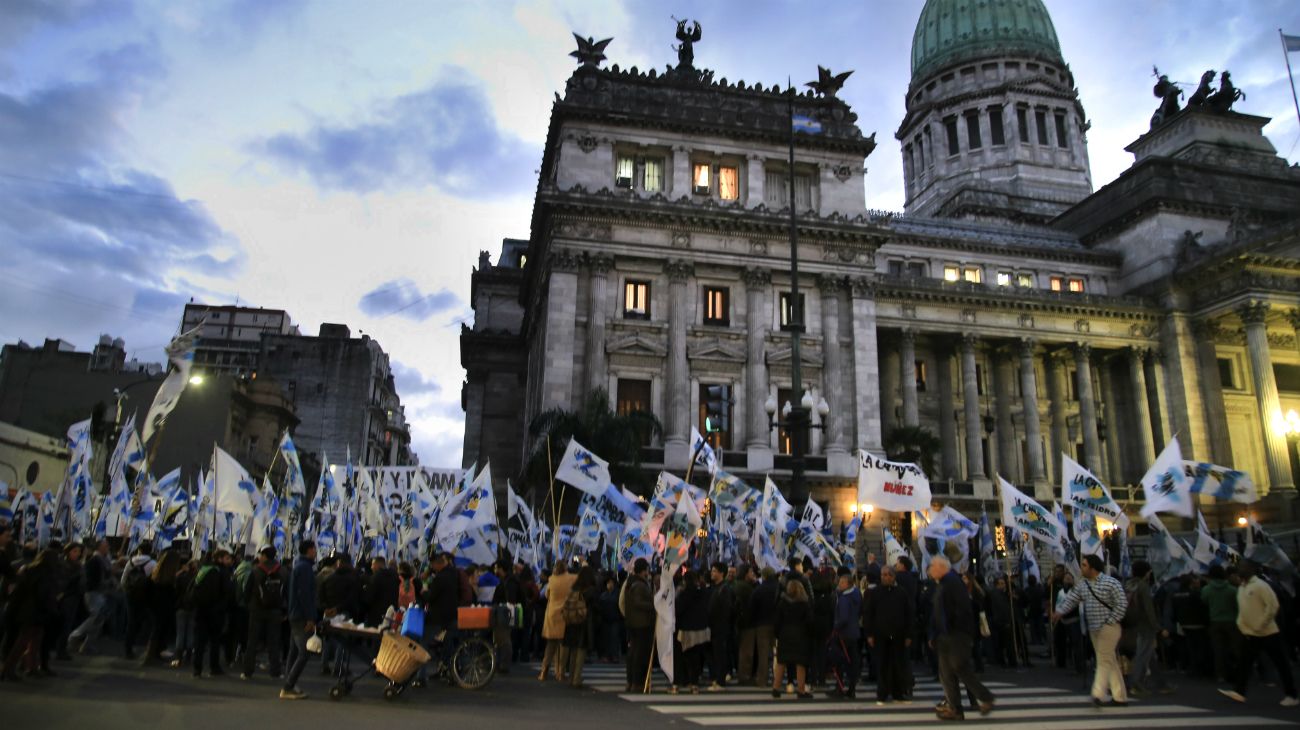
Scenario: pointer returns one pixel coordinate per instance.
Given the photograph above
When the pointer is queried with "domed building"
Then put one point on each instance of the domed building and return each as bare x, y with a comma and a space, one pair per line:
994, 128
1009, 316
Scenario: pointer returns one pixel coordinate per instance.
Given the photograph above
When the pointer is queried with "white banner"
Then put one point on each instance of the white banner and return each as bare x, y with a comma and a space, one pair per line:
892, 486
1025, 515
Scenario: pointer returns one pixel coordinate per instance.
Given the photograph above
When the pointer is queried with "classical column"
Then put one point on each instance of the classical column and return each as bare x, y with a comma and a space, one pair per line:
757, 282
598, 267
907, 376
1187, 409
1205, 333
679, 382
1058, 392
1141, 407
1003, 389
1157, 397
1087, 406
971, 401
1029, 398
947, 418
561, 324
1116, 432
1253, 315
889, 370
866, 365
833, 375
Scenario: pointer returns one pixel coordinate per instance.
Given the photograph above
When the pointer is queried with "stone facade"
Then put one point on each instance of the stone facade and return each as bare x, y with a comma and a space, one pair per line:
1015, 318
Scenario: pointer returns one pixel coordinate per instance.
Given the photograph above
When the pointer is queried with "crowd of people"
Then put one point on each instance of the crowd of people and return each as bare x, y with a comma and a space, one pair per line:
807, 629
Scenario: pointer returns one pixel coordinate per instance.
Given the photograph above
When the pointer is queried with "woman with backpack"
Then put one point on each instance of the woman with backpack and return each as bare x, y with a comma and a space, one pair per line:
579, 622
557, 591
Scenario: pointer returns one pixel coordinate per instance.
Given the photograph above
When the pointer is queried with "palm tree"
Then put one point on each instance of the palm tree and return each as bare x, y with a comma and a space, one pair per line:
617, 438
913, 444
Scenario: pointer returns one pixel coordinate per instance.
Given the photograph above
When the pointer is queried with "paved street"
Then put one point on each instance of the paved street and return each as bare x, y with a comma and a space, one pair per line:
100, 692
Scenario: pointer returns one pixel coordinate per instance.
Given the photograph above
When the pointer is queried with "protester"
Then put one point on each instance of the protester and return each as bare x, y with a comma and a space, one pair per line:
99, 583
579, 623
268, 589
1144, 672
722, 617
302, 617
889, 613
639, 615
33, 598
1257, 610
161, 592
762, 607
746, 633
505, 597
380, 592
951, 630
692, 633
135, 585
208, 597
846, 632
609, 623
557, 592
794, 643
1220, 599
1104, 604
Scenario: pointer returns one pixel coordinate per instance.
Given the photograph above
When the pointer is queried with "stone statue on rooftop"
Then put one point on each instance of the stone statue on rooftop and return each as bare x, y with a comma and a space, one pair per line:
590, 51
1167, 92
827, 83
688, 36
1223, 99
1201, 96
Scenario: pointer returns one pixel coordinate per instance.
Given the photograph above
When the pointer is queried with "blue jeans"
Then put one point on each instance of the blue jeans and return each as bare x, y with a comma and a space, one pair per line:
297, 653
184, 631
97, 605
1144, 664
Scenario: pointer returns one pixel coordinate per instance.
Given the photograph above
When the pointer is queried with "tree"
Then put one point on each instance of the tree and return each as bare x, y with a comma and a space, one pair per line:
616, 438
913, 444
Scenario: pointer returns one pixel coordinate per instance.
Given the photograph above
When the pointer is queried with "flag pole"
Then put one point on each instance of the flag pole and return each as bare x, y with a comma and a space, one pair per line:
1286, 54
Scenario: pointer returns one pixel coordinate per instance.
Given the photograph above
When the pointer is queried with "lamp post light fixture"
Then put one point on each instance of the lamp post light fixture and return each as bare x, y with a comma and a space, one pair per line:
797, 421
1241, 521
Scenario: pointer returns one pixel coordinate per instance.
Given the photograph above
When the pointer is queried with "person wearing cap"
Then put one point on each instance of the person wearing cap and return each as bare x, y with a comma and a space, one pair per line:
268, 589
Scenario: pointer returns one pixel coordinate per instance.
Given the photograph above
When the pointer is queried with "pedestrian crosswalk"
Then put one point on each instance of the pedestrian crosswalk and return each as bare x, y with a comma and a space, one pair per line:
1027, 706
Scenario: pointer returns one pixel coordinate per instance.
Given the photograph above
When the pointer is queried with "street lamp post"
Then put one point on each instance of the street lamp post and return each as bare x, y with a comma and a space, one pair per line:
797, 421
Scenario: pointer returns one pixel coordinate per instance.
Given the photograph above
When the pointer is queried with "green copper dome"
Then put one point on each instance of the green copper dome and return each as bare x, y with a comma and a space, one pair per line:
953, 31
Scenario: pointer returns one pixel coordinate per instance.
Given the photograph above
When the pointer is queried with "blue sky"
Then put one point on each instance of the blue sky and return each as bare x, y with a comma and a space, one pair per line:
346, 161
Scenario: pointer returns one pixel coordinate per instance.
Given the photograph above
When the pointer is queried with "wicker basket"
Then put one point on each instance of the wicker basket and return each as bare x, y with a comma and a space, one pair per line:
399, 657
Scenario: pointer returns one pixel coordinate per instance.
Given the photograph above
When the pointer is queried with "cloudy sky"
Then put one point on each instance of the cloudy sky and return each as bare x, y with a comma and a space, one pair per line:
347, 160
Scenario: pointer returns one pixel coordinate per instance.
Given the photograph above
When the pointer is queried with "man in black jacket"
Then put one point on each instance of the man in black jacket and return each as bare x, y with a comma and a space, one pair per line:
638, 607
952, 630
99, 582
340, 592
762, 615
381, 591
209, 593
507, 593
268, 594
722, 615
442, 598
888, 621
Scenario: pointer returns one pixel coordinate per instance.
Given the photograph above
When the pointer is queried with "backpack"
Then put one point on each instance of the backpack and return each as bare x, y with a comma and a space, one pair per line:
271, 592
136, 582
205, 589
574, 610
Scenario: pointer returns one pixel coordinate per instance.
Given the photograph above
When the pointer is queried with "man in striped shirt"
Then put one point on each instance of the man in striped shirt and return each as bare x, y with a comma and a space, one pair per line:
1103, 604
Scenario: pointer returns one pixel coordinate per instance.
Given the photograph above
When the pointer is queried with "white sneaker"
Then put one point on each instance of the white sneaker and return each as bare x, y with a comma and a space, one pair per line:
1289, 702
1232, 695
715, 687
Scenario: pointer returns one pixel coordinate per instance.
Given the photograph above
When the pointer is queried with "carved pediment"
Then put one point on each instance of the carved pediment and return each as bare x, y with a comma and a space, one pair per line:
637, 344
715, 349
781, 356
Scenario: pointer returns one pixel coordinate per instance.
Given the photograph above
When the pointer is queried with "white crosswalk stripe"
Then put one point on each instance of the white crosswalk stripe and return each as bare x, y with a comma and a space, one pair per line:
1022, 706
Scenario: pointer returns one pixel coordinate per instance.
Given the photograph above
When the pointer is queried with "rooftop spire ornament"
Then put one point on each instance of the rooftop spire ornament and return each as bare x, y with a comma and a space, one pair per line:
590, 51
689, 36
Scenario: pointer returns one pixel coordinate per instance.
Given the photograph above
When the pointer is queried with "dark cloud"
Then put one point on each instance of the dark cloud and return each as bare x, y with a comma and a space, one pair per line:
19, 19
403, 298
95, 240
444, 136
411, 382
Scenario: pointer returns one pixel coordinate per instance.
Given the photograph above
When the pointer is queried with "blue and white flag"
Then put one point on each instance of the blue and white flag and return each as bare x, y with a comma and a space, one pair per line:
1166, 485
1261, 548
950, 525
582, 469
988, 550
172, 517
180, 353
704, 454
1210, 552
1085, 531
474, 507
1082, 490
295, 487
1064, 553
773, 525
1226, 485
893, 548
1023, 514
233, 489
679, 531
73, 500
1028, 562
851, 530
6, 508
1167, 553
805, 124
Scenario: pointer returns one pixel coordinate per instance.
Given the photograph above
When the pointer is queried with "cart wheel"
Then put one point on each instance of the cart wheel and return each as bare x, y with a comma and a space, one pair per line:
474, 663
336, 692
390, 692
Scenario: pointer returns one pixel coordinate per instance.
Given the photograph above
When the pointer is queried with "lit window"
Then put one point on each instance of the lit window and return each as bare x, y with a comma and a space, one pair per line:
654, 174
1058, 283
1076, 286
1026, 280
1004, 278
715, 306
951, 273
728, 183
920, 376
623, 174
788, 318
973, 275
700, 179
636, 300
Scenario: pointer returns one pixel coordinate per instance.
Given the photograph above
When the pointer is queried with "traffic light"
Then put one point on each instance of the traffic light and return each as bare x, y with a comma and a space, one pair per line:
717, 408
